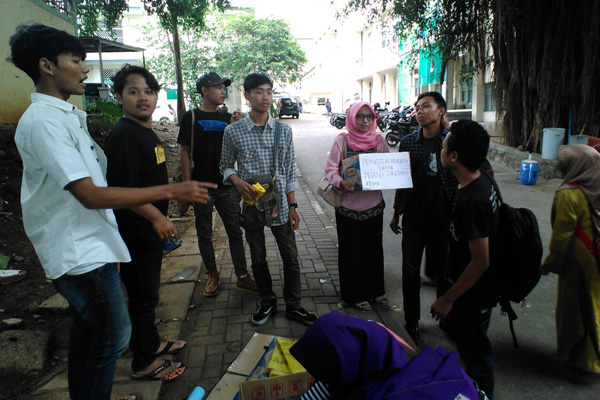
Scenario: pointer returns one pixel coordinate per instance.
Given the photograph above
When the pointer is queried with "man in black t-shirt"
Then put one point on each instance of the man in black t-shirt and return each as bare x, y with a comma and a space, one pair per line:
136, 159
474, 227
425, 208
207, 141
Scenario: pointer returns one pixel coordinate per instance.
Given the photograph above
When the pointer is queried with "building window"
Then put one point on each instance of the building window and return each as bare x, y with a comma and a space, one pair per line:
63, 6
490, 101
466, 94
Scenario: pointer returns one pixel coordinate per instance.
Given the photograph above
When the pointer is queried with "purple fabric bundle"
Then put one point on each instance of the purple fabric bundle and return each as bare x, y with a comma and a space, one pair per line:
361, 360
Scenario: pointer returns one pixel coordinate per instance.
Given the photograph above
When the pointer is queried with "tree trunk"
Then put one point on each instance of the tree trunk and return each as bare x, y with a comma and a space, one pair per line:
546, 63
178, 73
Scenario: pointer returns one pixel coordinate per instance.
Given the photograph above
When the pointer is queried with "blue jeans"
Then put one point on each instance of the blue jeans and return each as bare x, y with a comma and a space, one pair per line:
229, 211
286, 242
100, 331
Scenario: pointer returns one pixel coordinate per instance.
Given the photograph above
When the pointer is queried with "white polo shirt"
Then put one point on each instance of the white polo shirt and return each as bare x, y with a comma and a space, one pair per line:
56, 150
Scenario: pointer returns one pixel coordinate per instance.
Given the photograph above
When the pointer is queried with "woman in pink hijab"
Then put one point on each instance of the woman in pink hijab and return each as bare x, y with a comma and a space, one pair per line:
359, 219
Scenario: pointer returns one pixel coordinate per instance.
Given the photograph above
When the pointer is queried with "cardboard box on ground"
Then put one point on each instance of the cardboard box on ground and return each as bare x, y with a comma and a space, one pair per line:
246, 374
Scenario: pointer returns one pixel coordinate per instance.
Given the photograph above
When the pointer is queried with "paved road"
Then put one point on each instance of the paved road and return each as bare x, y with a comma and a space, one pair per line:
529, 372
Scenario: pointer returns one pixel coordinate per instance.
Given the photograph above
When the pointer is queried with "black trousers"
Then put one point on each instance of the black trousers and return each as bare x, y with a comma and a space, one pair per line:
141, 277
470, 321
416, 236
360, 258
286, 242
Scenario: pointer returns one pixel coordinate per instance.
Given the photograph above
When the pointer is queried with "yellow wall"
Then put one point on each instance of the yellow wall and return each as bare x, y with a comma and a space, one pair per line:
15, 85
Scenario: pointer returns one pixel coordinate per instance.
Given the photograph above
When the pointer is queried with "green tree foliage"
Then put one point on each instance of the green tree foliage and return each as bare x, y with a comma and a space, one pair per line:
195, 58
90, 11
172, 14
232, 45
545, 55
247, 44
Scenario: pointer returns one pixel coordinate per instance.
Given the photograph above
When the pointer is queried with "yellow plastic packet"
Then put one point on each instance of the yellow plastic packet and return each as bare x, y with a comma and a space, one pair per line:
293, 364
277, 365
282, 362
259, 190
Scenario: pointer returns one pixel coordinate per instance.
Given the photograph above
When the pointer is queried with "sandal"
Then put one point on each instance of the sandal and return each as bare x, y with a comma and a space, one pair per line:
362, 306
167, 350
151, 376
382, 301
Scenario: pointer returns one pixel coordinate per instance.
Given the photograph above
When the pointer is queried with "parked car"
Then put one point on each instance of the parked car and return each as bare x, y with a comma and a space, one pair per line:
164, 114
287, 106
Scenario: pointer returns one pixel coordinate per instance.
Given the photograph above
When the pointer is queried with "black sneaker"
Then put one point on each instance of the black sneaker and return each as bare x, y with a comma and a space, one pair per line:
262, 314
413, 332
301, 315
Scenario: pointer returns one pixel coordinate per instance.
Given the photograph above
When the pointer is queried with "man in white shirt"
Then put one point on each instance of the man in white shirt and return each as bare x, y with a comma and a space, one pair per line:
66, 206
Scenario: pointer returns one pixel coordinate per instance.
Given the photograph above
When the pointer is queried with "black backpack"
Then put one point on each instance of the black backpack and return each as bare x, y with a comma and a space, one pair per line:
517, 258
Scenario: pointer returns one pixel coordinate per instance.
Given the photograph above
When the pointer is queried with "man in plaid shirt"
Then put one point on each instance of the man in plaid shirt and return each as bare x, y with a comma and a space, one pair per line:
250, 142
426, 208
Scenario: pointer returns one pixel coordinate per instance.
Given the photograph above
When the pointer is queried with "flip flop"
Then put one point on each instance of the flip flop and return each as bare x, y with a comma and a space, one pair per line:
151, 376
167, 350
362, 306
130, 396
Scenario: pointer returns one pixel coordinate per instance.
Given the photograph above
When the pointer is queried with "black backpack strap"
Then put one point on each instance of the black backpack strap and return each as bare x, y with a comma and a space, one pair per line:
494, 183
506, 308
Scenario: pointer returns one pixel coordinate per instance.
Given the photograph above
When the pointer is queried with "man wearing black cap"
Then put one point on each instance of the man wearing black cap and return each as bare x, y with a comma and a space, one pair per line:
208, 126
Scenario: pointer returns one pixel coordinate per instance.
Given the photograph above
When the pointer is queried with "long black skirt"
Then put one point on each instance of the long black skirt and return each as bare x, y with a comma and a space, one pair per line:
360, 258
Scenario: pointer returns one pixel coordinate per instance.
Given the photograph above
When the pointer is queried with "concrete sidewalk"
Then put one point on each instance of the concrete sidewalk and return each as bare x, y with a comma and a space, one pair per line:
218, 328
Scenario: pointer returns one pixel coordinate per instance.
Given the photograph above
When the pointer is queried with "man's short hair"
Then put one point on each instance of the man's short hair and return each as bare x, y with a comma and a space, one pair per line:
31, 43
120, 79
437, 97
254, 80
470, 141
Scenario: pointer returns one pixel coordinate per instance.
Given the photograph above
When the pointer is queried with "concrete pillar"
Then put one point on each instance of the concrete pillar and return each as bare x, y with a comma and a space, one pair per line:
450, 85
478, 103
377, 93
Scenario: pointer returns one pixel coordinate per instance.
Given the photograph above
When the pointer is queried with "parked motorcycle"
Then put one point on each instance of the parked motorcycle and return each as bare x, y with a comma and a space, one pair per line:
338, 120
396, 128
381, 113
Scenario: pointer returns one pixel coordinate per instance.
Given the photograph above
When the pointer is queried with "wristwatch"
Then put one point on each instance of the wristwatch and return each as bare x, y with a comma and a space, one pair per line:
294, 204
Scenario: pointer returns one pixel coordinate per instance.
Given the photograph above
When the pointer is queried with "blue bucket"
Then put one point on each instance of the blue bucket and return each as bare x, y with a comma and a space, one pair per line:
528, 173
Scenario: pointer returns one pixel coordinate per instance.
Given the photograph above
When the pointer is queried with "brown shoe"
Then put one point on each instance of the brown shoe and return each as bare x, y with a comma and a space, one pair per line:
212, 284
246, 284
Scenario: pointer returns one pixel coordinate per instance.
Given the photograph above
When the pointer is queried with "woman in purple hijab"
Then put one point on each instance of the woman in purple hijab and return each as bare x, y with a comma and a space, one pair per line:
359, 219
360, 359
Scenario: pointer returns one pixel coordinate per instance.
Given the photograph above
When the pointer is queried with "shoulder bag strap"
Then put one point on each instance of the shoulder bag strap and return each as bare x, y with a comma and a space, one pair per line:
344, 153
275, 148
587, 241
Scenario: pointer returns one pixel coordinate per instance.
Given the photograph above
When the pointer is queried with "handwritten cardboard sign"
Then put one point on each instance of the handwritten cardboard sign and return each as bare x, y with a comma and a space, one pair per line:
385, 171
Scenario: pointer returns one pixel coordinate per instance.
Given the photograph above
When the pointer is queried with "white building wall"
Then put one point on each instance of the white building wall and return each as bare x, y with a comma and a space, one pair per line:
352, 62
